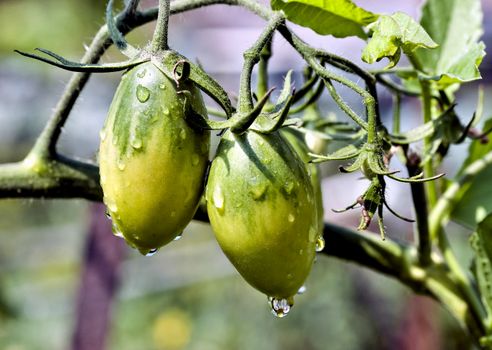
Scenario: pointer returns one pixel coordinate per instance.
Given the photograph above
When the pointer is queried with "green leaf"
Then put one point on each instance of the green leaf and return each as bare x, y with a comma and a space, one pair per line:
340, 18
456, 25
391, 35
481, 242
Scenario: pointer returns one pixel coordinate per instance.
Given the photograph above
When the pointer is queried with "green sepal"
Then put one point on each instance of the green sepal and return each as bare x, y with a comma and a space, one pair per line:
71, 66
347, 152
205, 82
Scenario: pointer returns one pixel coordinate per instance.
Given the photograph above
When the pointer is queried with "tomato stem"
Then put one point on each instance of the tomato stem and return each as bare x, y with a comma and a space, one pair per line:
159, 40
251, 57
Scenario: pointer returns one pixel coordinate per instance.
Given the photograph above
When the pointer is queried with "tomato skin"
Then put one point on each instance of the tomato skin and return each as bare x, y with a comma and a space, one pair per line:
296, 141
152, 163
261, 207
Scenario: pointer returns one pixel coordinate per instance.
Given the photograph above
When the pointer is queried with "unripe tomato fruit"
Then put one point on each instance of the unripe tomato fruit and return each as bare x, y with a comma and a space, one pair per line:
152, 163
261, 206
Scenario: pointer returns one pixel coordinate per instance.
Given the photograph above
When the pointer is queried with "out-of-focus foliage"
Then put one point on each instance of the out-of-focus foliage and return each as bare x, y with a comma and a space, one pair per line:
24, 24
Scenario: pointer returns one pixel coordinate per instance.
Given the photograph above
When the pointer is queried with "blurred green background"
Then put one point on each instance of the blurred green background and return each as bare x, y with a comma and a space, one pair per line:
187, 296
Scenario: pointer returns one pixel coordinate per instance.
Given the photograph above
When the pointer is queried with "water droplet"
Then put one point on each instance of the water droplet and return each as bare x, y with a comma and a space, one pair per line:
291, 217
302, 290
136, 142
165, 111
183, 134
218, 198
121, 164
178, 237
280, 307
259, 191
151, 252
142, 73
143, 93
162, 86
116, 231
288, 187
320, 243
102, 134
195, 159
111, 206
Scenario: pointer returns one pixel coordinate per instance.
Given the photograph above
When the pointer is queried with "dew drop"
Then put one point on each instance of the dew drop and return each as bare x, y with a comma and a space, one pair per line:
302, 290
320, 244
218, 198
291, 217
288, 187
143, 93
165, 111
162, 86
258, 192
142, 73
183, 134
102, 134
178, 237
195, 159
136, 142
280, 307
116, 231
121, 164
151, 252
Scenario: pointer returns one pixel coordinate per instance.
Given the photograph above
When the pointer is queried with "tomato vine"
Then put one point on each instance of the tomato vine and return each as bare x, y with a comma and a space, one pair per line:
428, 267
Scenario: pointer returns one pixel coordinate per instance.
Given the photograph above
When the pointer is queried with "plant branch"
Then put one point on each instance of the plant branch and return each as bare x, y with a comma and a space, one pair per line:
251, 58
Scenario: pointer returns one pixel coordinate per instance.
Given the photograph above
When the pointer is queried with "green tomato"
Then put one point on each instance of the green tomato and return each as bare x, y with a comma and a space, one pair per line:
152, 163
262, 209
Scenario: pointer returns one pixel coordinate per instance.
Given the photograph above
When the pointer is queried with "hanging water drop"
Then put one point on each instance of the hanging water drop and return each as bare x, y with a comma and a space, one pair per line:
218, 198
151, 252
280, 307
143, 93
320, 244
302, 290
